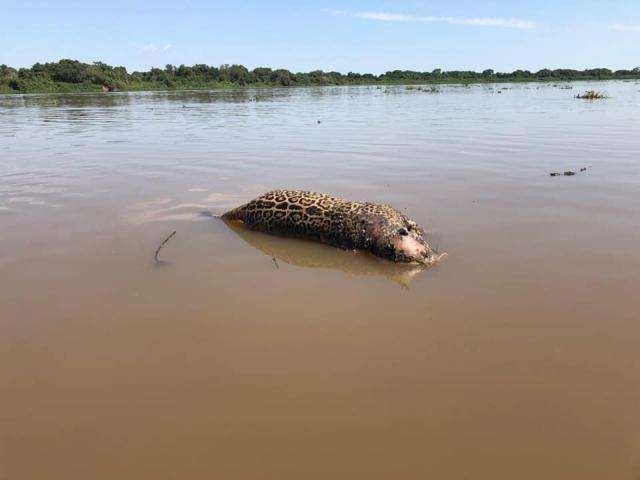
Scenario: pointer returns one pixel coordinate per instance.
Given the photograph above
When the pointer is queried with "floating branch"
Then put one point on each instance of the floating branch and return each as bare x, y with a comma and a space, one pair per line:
164, 242
568, 173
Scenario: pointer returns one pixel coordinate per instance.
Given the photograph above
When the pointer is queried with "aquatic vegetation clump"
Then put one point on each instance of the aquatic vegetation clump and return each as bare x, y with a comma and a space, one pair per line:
592, 95
423, 89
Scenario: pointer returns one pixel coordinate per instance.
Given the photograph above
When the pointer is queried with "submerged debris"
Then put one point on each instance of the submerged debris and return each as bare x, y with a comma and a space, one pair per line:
592, 95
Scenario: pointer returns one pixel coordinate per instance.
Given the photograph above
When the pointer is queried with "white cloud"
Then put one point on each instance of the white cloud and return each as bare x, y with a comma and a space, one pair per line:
387, 17
400, 17
621, 27
152, 48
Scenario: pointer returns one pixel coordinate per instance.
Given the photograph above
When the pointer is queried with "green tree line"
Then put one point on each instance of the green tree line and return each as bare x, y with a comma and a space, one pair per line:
74, 76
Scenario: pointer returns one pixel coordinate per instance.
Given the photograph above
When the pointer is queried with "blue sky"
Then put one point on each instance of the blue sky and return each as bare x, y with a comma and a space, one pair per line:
354, 35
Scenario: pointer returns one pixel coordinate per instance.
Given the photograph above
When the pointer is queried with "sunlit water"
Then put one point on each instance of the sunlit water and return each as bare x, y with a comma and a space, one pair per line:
242, 356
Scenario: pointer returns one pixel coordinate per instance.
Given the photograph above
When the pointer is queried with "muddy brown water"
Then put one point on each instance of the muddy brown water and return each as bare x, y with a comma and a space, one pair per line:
247, 357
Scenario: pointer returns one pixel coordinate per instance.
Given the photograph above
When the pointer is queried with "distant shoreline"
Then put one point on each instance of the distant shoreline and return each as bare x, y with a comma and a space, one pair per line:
205, 88
72, 76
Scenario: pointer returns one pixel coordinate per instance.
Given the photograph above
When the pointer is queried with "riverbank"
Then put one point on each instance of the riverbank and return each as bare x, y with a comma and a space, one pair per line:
72, 76
150, 87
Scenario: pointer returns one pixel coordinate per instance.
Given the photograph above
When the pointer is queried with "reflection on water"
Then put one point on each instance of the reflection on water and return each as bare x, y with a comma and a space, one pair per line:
517, 357
308, 254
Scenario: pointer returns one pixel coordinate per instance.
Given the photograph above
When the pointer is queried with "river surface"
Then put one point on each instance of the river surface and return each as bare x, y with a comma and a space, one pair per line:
243, 356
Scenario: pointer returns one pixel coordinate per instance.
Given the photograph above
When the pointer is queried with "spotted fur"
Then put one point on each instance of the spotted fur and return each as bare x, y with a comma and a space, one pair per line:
378, 228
